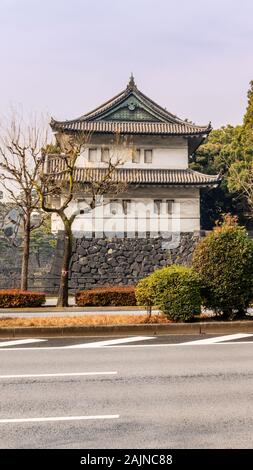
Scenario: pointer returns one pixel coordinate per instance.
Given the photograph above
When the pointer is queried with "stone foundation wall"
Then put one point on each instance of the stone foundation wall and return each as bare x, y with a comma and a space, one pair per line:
98, 262
95, 262
39, 279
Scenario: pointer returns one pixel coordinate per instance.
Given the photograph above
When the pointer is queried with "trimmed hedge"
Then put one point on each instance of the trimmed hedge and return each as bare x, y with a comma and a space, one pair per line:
16, 298
175, 290
116, 296
224, 260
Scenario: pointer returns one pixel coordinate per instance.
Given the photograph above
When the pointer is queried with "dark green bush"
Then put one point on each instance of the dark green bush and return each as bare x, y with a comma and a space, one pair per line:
224, 260
17, 298
175, 290
106, 296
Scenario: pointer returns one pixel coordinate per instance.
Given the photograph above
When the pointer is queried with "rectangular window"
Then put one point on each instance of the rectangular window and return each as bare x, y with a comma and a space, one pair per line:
92, 155
114, 203
105, 155
136, 158
157, 206
126, 206
169, 204
147, 156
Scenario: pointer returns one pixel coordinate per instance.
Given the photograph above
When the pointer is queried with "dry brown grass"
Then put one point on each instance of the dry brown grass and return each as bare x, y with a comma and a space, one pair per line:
84, 320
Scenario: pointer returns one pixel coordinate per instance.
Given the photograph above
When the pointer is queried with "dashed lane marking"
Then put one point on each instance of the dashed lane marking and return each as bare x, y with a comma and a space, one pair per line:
217, 339
19, 342
235, 339
111, 342
56, 418
71, 374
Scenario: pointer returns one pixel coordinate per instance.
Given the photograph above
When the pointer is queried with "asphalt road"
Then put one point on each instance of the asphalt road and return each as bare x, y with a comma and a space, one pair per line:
168, 396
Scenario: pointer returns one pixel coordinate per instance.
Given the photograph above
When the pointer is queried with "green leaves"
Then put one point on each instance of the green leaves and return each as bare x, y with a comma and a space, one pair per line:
224, 261
220, 149
230, 150
175, 290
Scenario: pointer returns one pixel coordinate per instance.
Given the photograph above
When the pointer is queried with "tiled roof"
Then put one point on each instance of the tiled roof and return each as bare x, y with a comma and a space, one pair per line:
103, 120
131, 127
144, 176
162, 112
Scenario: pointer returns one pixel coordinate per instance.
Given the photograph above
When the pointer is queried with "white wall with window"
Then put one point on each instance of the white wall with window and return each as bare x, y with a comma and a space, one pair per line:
105, 154
135, 157
135, 214
171, 158
92, 155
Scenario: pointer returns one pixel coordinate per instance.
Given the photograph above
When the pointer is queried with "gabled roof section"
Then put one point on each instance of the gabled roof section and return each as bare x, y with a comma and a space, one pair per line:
134, 176
130, 111
131, 98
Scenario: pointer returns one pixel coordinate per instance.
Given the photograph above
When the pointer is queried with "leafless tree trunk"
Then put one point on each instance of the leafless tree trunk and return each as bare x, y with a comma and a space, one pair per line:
25, 254
20, 163
62, 300
61, 183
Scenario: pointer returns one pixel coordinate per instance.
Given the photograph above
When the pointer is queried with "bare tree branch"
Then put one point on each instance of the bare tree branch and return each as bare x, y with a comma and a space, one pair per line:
20, 162
57, 179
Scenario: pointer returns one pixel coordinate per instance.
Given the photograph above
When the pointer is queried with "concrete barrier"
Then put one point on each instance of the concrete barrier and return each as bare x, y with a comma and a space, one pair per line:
130, 330
226, 327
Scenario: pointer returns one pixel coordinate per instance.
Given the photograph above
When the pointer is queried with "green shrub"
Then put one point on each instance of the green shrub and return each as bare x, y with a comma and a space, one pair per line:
17, 298
174, 289
106, 296
144, 292
224, 260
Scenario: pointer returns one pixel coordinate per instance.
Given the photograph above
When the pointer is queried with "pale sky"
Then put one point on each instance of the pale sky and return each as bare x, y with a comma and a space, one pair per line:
65, 57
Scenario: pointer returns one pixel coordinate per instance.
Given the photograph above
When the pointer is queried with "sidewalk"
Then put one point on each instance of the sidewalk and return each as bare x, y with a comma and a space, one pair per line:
51, 301
50, 310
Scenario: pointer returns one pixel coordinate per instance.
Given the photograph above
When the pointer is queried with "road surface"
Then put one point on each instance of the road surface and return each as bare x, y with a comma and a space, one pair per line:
147, 392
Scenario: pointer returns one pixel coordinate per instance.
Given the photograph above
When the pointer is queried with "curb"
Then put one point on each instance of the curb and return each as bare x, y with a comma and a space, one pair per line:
126, 330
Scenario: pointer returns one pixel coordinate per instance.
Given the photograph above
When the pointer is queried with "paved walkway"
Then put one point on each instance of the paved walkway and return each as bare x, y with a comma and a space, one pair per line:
50, 310
52, 301
70, 311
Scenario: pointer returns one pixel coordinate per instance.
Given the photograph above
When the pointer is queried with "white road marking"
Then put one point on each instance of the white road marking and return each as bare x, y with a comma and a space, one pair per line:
128, 346
217, 339
57, 418
111, 342
71, 374
20, 341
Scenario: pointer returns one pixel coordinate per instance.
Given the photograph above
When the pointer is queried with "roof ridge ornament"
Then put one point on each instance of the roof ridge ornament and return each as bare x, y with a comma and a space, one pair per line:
131, 84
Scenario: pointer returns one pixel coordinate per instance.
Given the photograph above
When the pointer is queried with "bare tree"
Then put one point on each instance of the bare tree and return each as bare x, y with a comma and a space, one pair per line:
56, 187
20, 163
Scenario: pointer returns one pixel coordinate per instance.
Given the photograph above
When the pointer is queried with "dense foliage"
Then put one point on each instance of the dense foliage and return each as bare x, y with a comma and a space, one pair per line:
175, 290
228, 150
224, 261
106, 296
17, 298
240, 174
145, 290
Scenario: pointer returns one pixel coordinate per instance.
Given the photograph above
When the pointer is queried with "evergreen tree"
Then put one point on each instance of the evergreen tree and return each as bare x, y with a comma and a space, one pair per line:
228, 150
248, 117
240, 175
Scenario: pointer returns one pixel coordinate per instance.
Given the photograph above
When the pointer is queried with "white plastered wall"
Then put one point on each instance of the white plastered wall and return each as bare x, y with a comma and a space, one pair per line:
185, 218
171, 153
